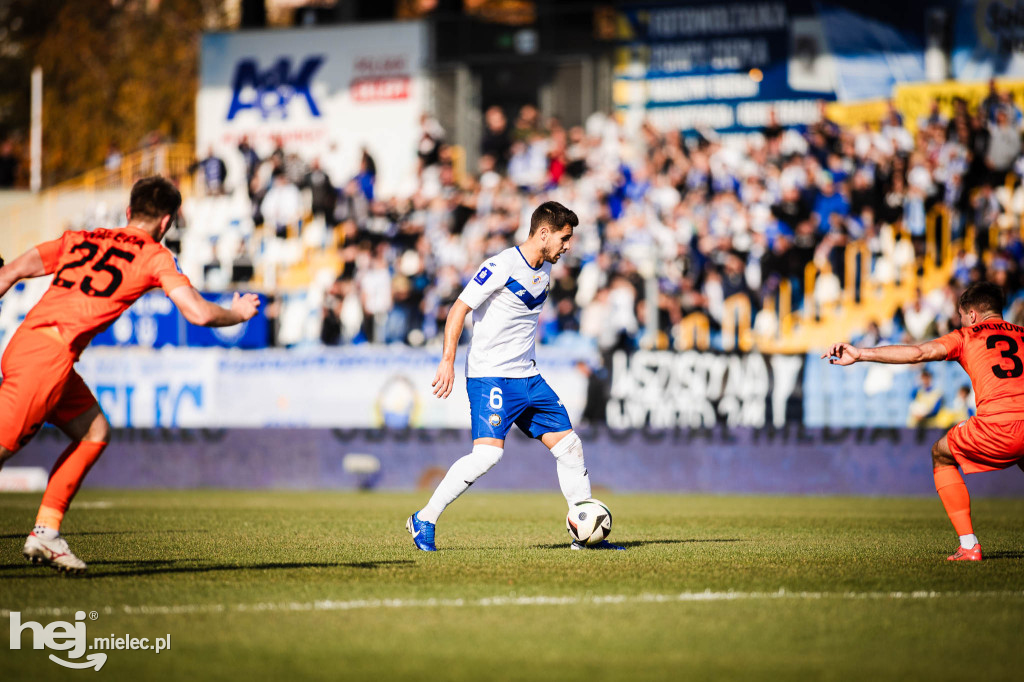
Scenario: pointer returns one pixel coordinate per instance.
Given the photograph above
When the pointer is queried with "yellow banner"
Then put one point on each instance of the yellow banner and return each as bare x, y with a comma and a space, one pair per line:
915, 101
857, 113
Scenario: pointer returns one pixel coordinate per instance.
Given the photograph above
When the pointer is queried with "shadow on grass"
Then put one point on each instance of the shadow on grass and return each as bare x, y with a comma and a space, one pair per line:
641, 543
22, 536
1003, 555
168, 567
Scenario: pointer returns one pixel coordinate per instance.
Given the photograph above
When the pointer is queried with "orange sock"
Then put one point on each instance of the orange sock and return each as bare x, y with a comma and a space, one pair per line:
949, 484
65, 479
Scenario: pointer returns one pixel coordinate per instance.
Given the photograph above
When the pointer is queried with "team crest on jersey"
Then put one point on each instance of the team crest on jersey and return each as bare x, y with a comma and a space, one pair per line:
494, 420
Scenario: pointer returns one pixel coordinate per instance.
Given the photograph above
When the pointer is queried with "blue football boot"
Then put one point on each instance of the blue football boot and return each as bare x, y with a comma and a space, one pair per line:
422, 533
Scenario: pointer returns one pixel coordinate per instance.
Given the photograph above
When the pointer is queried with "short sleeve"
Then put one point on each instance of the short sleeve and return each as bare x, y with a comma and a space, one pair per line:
51, 251
953, 342
490, 277
166, 273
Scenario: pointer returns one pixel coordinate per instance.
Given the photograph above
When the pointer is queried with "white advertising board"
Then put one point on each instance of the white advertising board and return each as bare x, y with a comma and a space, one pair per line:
325, 93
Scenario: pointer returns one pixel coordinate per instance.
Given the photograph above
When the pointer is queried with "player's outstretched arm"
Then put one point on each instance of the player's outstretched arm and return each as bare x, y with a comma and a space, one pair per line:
28, 264
198, 311
846, 354
445, 377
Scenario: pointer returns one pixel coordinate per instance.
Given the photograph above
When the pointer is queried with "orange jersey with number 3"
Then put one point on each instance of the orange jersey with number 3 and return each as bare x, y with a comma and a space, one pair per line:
97, 276
992, 353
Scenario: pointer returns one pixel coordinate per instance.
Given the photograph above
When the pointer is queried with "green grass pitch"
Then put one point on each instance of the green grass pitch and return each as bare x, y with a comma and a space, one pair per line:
295, 586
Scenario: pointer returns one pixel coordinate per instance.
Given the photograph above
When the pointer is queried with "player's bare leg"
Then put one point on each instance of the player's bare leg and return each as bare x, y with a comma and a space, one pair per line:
89, 433
463, 473
949, 484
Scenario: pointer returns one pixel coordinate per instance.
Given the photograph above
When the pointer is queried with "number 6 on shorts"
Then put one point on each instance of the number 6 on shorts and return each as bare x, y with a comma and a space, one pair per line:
495, 398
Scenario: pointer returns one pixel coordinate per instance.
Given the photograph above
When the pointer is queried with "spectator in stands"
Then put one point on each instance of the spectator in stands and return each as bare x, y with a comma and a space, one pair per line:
963, 406
1003, 146
527, 126
830, 201
773, 131
925, 402
496, 141
918, 319
281, 208
330, 314
1013, 112
377, 295
112, 162
324, 195
214, 172
431, 138
252, 163
367, 175
8, 164
792, 209
988, 106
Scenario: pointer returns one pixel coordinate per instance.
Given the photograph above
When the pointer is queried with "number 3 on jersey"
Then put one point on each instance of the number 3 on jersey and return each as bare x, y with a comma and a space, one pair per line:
1010, 353
495, 398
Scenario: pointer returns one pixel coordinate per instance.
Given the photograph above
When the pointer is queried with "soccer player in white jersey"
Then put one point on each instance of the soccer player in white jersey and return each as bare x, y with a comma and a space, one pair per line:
502, 379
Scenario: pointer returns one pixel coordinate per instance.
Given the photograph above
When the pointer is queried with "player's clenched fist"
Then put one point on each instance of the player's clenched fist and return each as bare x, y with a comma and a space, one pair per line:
842, 354
245, 305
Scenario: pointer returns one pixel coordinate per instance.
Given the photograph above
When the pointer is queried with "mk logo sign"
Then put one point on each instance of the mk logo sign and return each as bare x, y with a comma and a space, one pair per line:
270, 91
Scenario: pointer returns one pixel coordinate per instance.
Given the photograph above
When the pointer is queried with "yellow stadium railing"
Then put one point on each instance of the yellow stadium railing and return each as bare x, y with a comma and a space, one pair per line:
863, 297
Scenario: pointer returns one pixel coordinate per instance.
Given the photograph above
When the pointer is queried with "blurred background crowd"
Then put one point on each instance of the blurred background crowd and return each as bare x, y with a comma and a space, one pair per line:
669, 224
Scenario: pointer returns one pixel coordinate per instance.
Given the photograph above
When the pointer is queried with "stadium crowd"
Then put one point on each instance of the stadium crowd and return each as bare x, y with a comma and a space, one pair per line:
687, 221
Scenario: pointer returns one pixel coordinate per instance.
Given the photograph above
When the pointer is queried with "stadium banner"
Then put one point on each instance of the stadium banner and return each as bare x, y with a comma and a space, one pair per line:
726, 65
988, 40
793, 460
355, 387
914, 101
322, 92
701, 389
154, 322
720, 66
851, 114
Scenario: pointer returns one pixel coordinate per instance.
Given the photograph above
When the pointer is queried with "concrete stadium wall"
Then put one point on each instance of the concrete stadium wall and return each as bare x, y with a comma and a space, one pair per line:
792, 461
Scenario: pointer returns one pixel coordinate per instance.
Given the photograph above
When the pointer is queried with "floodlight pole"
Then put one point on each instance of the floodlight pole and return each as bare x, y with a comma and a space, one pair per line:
36, 133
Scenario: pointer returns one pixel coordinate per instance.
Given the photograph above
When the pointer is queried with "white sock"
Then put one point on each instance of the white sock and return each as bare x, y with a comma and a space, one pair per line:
45, 533
462, 474
572, 470
968, 541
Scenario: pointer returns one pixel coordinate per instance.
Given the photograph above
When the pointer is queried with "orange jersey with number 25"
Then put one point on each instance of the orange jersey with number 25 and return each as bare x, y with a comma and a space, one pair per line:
97, 276
992, 353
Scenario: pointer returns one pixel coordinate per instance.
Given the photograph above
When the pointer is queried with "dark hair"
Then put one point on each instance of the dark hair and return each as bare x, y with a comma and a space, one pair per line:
155, 197
982, 296
554, 215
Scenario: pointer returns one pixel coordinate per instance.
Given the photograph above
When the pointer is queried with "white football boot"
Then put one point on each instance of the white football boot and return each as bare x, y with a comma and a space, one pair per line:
54, 553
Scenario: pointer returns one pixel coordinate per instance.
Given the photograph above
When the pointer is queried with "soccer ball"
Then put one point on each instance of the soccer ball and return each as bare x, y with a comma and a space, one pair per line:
589, 522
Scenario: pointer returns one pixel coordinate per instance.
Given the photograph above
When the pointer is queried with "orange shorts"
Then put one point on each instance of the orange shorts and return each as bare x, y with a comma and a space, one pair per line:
980, 444
39, 385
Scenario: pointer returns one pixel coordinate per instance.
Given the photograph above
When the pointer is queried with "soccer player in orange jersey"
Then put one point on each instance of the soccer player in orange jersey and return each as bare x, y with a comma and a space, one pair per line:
97, 275
992, 353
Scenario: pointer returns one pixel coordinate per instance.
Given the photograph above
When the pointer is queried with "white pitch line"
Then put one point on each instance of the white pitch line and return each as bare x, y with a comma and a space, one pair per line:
509, 600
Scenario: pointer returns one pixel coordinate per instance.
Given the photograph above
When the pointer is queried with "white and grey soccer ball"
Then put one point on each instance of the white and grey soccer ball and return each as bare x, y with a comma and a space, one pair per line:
589, 522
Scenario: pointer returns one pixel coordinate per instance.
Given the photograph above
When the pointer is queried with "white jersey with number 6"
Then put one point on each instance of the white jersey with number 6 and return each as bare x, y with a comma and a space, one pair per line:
506, 295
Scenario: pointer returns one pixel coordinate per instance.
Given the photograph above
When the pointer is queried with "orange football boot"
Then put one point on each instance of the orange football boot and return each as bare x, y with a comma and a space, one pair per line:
961, 554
